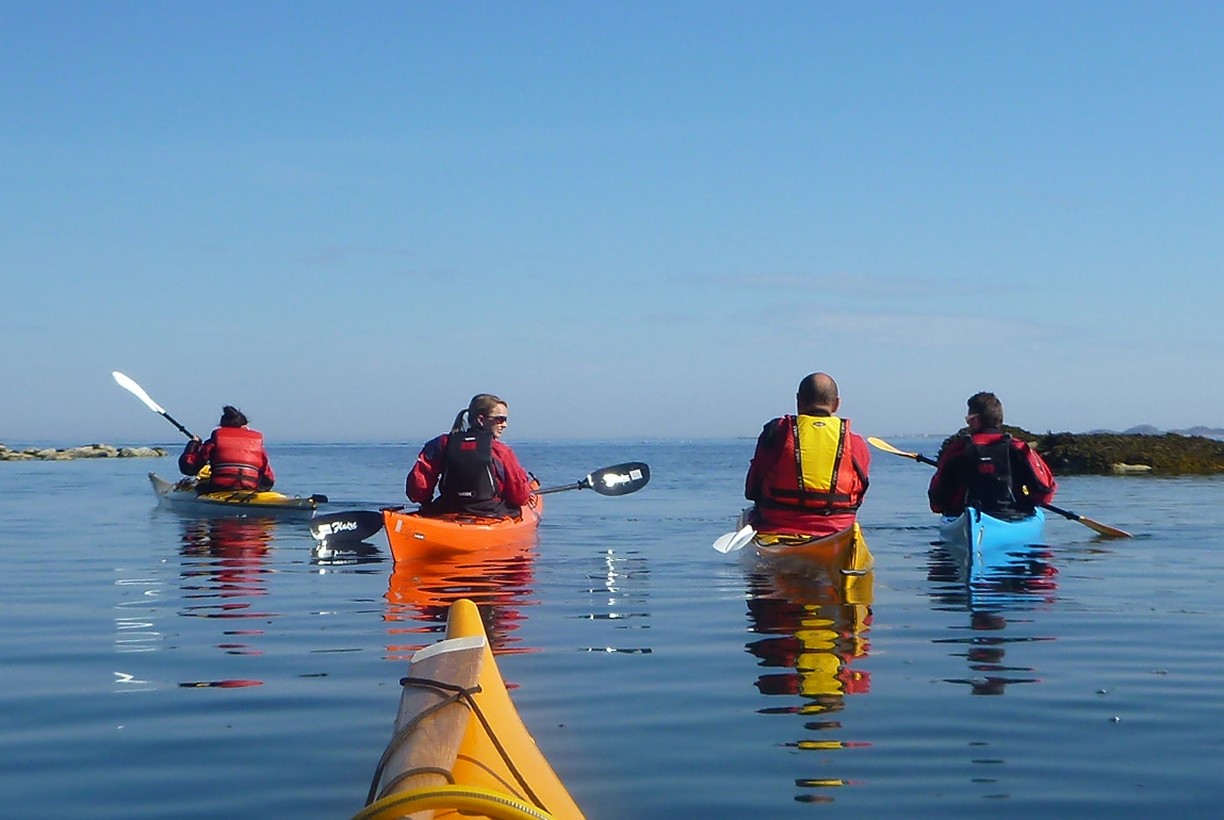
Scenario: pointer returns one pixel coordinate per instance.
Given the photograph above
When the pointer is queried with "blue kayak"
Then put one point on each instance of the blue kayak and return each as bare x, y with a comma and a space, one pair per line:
976, 529
980, 541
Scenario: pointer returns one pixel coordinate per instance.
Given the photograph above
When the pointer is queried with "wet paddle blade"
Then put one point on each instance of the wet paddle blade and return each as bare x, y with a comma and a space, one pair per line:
620, 479
733, 541
354, 525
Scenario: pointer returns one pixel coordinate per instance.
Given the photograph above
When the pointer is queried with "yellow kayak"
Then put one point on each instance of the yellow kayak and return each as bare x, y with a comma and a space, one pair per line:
460, 748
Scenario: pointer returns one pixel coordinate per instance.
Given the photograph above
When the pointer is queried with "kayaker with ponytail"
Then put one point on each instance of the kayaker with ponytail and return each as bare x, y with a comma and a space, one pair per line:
809, 472
234, 454
473, 471
988, 469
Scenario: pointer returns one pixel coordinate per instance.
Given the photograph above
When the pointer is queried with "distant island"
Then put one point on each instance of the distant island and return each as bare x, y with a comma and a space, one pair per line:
1142, 450
84, 451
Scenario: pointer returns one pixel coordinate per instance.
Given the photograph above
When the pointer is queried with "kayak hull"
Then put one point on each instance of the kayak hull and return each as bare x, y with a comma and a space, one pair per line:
466, 754
845, 550
982, 531
181, 496
412, 535
979, 541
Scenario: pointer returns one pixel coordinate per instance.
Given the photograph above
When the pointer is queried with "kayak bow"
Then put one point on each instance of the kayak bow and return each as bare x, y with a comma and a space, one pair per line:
460, 746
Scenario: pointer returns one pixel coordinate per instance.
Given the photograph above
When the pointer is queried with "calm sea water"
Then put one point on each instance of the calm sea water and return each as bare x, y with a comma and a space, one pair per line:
156, 665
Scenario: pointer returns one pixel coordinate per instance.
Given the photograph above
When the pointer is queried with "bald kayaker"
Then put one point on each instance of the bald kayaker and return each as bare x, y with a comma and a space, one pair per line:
809, 472
473, 471
988, 469
234, 453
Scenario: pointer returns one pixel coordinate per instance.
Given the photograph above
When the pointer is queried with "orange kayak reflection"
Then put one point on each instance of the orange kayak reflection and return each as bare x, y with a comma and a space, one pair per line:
421, 590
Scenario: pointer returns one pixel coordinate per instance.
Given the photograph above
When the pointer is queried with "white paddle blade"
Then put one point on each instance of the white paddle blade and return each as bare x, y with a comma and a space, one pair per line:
136, 390
732, 541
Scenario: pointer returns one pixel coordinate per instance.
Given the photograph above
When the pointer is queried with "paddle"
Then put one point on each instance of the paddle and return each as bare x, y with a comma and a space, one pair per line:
732, 541
357, 525
136, 390
351, 525
619, 479
1103, 529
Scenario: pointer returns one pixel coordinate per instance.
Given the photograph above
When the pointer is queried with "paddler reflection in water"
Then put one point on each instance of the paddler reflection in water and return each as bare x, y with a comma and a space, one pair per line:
809, 473
474, 472
234, 454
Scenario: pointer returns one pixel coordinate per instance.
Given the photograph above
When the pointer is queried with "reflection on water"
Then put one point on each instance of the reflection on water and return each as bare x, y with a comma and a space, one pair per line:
421, 590
815, 621
224, 571
996, 592
619, 593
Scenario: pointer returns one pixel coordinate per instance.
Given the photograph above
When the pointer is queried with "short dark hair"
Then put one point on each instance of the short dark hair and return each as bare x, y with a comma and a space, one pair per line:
988, 408
232, 417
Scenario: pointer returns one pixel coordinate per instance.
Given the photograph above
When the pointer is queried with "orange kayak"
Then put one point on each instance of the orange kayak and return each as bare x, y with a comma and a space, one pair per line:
412, 535
845, 550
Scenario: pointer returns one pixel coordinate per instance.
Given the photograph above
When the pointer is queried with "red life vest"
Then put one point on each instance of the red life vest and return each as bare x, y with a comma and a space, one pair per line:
813, 470
237, 458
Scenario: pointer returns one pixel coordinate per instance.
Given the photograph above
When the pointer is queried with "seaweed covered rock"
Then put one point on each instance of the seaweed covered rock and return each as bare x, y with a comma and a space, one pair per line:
1122, 453
1128, 453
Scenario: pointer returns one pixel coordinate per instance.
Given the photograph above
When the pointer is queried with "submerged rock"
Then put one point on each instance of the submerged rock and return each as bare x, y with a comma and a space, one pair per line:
84, 451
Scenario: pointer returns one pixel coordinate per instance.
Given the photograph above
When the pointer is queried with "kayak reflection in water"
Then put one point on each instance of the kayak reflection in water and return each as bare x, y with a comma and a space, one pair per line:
421, 590
224, 570
815, 625
234, 454
1021, 580
472, 470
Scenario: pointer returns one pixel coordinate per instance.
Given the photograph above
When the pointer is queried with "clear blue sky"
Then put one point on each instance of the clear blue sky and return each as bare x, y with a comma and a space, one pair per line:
630, 219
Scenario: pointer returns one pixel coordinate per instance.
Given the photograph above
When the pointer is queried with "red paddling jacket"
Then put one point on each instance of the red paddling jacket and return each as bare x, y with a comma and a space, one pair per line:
236, 457
474, 473
808, 475
991, 471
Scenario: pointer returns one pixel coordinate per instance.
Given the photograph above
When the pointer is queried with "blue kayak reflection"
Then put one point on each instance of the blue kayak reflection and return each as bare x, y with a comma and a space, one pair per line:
1001, 590
815, 621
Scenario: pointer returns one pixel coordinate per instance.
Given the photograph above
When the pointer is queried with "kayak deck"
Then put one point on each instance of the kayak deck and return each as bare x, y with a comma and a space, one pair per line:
459, 746
181, 495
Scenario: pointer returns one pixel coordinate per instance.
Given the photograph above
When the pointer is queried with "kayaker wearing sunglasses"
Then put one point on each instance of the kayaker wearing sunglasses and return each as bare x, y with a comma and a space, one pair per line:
234, 454
473, 471
988, 469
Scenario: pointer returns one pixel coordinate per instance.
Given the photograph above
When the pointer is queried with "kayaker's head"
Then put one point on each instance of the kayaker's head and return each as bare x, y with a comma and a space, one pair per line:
817, 395
486, 412
232, 417
985, 412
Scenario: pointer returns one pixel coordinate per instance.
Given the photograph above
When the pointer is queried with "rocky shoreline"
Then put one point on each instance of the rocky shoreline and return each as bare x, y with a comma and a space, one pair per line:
84, 451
